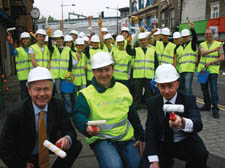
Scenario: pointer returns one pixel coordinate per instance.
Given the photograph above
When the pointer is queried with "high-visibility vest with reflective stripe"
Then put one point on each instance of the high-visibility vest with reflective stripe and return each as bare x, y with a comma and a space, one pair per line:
179, 52
60, 62
22, 63
122, 59
78, 71
112, 106
42, 58
89, 70
144, 64
187, 59
213, 68
165, 55
105, 48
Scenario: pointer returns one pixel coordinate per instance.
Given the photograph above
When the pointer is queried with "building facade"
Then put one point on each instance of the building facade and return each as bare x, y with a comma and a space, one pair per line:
13, 14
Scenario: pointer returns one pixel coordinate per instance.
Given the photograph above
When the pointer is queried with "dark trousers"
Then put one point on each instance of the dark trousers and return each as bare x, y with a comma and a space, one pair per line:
68, 161
23, 89
139, 84
214, 99
192, 150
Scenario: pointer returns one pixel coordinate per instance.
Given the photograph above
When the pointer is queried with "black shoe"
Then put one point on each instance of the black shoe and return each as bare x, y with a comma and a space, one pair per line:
205, 108
216, 114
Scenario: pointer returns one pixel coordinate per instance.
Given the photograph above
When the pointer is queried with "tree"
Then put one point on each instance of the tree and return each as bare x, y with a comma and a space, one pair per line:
50, 18
42, 18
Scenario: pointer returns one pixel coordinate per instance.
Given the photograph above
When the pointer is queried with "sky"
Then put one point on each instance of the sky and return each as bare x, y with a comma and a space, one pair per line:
84, 7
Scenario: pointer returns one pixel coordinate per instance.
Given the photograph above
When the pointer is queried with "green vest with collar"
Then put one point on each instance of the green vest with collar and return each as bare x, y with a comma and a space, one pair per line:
213, 68
112, 106
22, 63
122, 59
187, 59
60, 62
78, 71
165, 55
144, 63
42, 58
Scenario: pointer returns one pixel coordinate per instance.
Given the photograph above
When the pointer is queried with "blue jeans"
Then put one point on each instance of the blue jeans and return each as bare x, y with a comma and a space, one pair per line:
58, 92
112, 154
212, 81
23, 89
185, 81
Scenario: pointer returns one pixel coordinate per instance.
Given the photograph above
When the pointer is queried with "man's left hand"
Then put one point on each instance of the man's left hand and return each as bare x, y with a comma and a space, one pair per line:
139, 144
65, 143
177, 124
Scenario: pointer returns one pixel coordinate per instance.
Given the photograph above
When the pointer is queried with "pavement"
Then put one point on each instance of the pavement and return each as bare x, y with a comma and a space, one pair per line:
213, 133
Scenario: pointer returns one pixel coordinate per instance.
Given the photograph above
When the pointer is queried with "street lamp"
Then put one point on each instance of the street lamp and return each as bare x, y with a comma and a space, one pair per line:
62, 5
116, 16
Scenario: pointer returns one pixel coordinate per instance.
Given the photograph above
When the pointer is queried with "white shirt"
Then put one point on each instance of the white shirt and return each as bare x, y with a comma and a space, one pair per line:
177, 137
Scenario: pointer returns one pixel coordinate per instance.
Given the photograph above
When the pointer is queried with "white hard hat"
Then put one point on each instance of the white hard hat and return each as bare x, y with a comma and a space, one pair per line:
81, 34
147, 34
68, 38
79, 41
107, 36
86, 38
46, 38
95, 39
39, 73
125, 29
141, 36
73, 32
165, 31
176, 35
58, 33
101, 59
185, 32
166, 73
119, 38
40, 31
24, 35
158, 32
104, 29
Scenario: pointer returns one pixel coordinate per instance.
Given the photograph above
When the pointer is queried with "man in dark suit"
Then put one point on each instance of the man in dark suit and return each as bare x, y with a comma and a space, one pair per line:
167, 139
21, 143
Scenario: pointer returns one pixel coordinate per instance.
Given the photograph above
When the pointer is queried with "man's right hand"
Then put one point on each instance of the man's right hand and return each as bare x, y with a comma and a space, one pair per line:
154, 165
10, 39
91, 131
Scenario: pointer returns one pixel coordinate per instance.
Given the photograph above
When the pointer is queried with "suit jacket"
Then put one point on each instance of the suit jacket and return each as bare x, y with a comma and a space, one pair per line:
19, 132
155, 121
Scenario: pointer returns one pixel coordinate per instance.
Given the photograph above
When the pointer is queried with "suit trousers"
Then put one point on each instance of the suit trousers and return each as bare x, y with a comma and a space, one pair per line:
192, 150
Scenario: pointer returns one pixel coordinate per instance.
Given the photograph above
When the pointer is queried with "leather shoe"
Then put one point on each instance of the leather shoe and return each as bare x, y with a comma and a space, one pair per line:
205, 108
216, 115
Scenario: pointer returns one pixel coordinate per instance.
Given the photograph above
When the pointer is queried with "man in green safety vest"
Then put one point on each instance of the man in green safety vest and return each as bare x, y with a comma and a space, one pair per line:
22, 61
39, 53
105, 99
144, 65
211, 55
187, 59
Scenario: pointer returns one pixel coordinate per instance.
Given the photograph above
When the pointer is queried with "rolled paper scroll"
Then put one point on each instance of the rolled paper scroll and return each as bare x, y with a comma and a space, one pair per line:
59, 152
96, 122
173, 108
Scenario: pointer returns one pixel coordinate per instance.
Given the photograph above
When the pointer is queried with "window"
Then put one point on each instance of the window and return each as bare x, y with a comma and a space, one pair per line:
214, 9
172, 18
141, 4
162, 19
148, 23
134, 6
148, 3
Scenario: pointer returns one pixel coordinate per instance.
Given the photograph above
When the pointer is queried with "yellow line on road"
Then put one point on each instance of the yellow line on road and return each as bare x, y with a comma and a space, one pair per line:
202, 102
